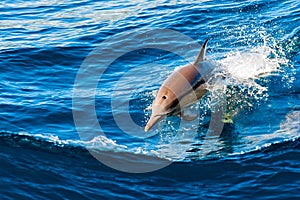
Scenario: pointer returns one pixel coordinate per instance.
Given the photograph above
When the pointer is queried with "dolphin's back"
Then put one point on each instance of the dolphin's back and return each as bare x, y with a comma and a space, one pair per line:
182, 81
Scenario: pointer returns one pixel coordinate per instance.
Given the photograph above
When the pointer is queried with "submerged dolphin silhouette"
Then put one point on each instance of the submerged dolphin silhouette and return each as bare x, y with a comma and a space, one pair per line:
181, 89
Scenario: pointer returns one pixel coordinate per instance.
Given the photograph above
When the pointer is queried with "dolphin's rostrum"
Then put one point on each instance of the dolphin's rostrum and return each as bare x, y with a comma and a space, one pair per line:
181, 89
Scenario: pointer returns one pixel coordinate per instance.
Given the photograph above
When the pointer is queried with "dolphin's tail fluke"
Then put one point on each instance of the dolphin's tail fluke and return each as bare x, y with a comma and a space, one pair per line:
201, 55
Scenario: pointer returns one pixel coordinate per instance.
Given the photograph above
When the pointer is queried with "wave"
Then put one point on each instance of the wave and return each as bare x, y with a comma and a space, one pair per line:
288, 133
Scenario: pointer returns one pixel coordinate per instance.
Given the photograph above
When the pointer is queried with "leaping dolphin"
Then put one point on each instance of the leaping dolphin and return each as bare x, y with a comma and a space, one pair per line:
181, 89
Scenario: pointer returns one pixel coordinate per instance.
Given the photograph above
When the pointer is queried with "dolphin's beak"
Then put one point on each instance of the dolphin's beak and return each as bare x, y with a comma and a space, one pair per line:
152, 121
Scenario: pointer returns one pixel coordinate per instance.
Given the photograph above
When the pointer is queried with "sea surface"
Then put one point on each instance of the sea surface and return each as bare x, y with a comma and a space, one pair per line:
77, 79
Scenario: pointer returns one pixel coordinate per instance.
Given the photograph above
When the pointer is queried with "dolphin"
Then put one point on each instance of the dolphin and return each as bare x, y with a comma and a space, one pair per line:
181, 89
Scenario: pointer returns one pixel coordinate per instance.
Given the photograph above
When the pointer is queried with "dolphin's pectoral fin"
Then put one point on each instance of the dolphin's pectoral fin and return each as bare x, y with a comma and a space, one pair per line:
187, 117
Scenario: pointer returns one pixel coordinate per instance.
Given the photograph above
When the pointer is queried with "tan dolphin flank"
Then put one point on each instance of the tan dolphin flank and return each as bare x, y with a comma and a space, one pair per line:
181, 89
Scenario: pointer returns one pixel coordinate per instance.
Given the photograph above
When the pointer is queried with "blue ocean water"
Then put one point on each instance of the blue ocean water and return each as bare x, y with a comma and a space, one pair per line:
44, 44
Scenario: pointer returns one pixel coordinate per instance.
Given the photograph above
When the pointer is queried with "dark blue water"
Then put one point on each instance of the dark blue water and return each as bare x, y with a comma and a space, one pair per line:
43, 46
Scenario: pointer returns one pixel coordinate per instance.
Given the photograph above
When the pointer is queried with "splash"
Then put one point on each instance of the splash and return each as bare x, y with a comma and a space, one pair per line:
257, 63
245, 74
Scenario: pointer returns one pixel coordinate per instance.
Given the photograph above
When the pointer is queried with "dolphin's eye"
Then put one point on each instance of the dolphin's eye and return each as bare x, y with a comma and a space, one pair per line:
164, 97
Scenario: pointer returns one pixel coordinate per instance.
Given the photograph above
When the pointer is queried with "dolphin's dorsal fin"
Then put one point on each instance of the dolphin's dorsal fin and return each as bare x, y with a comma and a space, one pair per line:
201, 54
